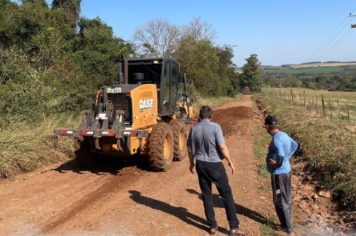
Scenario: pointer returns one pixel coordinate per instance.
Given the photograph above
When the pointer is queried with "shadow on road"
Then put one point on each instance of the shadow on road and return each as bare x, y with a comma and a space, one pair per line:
241, 210
111, 165
179, 212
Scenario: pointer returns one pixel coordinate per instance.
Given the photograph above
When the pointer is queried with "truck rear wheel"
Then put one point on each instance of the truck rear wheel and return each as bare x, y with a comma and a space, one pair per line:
160, 147
179, 138
84, 157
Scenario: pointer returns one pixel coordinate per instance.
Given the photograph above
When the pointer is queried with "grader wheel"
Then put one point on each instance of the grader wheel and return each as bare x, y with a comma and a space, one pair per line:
180, 140
160, 147
84, 157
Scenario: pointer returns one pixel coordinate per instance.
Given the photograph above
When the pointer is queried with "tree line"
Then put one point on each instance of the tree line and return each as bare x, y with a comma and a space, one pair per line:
326, 82
52, 60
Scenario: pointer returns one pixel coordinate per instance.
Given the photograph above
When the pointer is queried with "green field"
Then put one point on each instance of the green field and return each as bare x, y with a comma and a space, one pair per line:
305, 70
339, 107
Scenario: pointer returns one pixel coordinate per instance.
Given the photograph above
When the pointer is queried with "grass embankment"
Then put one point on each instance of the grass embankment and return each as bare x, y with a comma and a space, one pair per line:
25, 146
327, 150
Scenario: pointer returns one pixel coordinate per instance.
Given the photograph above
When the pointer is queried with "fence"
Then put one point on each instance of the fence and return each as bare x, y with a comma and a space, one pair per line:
339, 110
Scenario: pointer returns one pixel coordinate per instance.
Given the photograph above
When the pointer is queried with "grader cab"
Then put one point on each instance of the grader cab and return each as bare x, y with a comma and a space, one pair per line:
146, 112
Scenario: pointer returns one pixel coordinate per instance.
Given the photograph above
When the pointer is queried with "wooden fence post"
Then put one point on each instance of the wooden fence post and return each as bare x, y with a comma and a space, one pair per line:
338, 113
331, 112
348, 113
323, 103
291, 92
304, 97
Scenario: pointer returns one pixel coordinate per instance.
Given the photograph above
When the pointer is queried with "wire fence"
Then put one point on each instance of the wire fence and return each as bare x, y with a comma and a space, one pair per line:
340, 111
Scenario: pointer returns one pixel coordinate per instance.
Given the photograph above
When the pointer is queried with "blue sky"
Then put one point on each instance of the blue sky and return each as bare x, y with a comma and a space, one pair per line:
279, 32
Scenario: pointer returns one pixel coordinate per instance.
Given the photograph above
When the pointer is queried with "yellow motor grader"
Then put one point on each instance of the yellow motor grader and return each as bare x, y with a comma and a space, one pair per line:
147, 112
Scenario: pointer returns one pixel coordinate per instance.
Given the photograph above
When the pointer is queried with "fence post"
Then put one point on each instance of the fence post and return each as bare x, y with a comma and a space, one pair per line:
304, 97
338, 111
323, 103
291, 92
348, 113
331, 112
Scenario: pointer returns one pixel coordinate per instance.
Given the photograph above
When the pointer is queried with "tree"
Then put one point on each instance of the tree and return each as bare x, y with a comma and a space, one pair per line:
272, 81
156, 38
199, 30
99, 51
251, 74
71, 8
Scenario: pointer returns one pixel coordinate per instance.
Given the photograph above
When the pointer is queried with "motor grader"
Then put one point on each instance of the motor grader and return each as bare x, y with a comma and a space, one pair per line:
147, 112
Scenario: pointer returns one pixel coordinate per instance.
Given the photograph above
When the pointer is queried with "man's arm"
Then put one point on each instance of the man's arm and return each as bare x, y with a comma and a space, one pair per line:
293, 148
279, 155
190, 152
191, 159
226, 154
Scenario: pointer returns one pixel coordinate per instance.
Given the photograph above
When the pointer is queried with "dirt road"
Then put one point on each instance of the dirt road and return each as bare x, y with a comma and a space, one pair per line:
125, 198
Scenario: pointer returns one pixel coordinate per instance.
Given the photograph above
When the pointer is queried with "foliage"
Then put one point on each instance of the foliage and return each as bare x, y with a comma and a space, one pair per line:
157, 38
251, 74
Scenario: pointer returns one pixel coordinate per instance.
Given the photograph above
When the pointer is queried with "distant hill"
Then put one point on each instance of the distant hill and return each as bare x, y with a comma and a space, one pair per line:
324, 64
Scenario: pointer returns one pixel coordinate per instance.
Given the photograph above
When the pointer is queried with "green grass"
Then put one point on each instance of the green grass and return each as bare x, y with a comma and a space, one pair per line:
268, 229
25, 147
327, 150
260, 151
340, 107
304, 70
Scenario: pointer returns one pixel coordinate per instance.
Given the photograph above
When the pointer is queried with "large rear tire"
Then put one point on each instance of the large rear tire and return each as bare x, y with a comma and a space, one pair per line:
84, 157
160, 147
180, 139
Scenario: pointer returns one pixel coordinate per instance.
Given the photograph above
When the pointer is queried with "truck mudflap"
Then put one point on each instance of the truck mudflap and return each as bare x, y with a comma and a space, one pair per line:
79, 135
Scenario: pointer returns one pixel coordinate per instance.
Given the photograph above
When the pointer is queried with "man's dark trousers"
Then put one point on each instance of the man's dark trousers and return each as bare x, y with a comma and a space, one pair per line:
214, 172
281, 186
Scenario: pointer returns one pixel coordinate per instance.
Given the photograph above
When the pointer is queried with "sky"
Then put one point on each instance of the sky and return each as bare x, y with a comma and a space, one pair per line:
279, 32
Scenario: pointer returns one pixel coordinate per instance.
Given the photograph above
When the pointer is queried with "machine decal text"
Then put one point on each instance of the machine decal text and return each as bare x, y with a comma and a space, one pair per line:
146, 104
114, 90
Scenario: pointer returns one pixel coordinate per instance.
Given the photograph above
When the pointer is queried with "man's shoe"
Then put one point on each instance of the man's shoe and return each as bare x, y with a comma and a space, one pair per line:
213, 230
237, 232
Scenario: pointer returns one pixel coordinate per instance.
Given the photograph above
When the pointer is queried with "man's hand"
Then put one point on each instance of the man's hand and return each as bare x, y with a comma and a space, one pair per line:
272, 163
191, 168
232, 167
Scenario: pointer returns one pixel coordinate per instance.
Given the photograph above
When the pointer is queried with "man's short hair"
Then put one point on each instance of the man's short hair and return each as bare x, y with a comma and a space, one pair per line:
205, 112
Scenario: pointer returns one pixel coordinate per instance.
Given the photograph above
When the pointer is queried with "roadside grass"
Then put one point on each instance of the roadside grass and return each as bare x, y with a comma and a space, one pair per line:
25, 147
268, 229
260, 151
327, 150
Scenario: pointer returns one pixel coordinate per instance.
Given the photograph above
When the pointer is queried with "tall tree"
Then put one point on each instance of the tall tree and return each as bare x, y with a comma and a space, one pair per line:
71, 7
157, 38
199, 30
251, 76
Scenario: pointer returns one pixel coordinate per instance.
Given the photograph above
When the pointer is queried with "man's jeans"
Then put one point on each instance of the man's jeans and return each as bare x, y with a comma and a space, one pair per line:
214, 172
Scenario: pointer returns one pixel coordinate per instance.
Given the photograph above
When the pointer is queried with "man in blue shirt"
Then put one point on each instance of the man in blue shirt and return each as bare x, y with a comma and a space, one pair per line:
207, 146
280, 150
